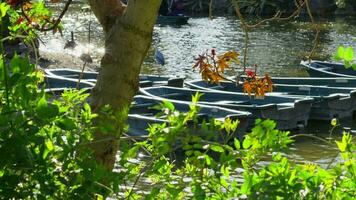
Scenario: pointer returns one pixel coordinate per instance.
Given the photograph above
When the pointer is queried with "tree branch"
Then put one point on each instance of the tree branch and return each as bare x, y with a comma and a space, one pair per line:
56, 23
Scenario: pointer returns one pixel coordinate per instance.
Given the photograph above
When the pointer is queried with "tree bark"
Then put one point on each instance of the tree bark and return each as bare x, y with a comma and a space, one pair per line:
128, 35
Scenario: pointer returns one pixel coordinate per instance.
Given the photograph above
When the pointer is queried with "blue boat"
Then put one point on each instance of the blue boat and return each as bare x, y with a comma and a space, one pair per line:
328, 69
56, 85
328, 103
289, 113
172, 19
90, 76
314, 81
142, 114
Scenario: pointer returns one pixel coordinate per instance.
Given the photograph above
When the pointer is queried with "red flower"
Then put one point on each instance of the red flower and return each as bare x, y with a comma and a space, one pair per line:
20, 20
213, 52
250, 73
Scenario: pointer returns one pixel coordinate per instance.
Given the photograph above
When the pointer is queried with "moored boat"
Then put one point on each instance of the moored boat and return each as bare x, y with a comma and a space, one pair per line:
90, 76
142, 114
55, 84
172, 19
289, 113
315, 81
328, 69
328, 103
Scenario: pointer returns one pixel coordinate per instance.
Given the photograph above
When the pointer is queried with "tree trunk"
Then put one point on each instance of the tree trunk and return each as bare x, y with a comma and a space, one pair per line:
128, 35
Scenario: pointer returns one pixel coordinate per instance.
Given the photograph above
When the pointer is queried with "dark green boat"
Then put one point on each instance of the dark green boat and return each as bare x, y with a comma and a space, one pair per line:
142, 114
289, 113
56, 85
173, 20
329, 102
90, 76
328, 69
315, 81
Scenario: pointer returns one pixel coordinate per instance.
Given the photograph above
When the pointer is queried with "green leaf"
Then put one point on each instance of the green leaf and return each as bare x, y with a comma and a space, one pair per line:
49, 145
207, 159
353, 66
341, 52
349, 54
237, 144
341, 146
66, 124
42, 106
277, 157
4, 7
168, 105
217, 148
247, 143
333, 122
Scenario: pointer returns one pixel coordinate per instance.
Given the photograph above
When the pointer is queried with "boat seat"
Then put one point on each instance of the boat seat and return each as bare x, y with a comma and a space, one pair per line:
328, 69
175, 82
232, 102
146, 83
217, 87
282, 105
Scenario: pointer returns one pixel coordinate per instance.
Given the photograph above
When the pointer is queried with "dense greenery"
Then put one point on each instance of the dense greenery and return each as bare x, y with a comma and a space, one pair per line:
44, 152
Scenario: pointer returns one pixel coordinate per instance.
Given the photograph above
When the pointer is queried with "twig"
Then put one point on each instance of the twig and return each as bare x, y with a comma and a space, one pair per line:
55, 24
247, 27
316, 39
211, 9
81, 75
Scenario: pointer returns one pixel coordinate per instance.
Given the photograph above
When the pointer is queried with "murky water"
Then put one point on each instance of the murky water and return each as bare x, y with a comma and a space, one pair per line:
276, 48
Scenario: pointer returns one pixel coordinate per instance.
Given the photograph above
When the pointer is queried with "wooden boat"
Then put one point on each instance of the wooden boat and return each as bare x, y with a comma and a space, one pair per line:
56, 85
329, 102
327, 69
174, 19
142, 114
89, 76
315, 81
289, 113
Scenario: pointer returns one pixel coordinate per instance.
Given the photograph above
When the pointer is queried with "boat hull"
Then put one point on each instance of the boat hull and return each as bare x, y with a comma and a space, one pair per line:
289, 113
327, 69
90, 76
142, 114
328, 103
174, 20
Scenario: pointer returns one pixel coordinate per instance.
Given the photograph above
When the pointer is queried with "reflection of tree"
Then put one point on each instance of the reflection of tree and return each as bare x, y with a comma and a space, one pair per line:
196, 5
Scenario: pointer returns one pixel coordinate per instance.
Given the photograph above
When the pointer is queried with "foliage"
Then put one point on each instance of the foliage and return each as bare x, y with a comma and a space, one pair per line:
256, 85
43, 139
347, 56
212, 66
345, 3
28, 16
228, 169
